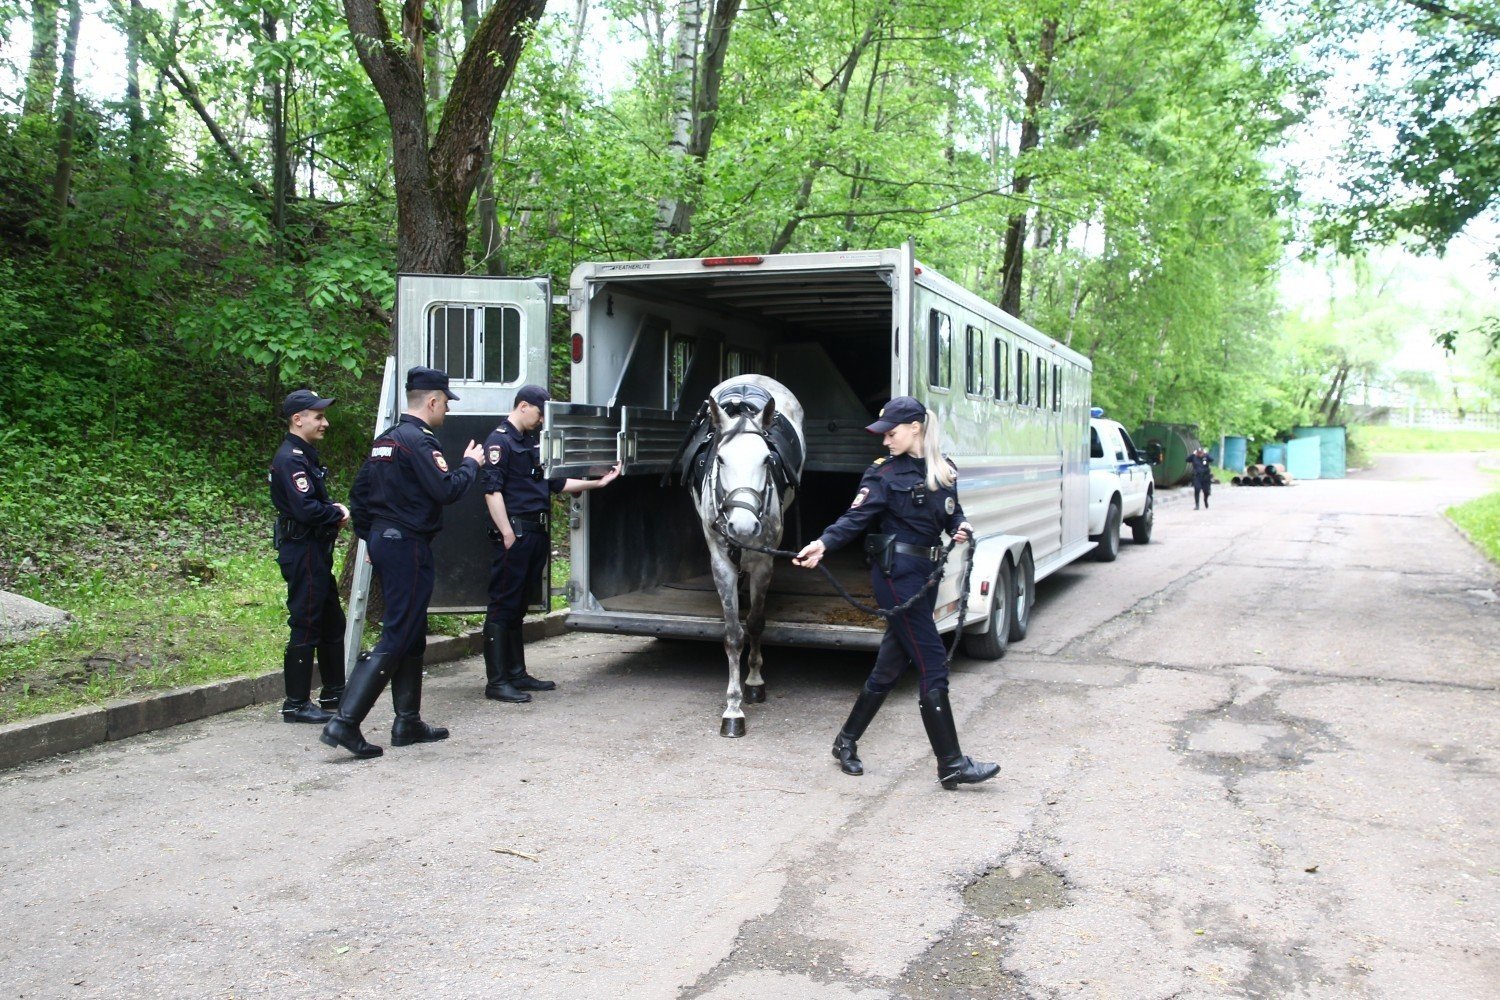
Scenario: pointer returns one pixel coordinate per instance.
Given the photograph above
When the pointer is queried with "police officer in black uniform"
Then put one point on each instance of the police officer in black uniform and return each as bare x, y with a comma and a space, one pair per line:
908, 499
1203, 477
306, 529
398, 501
518, 497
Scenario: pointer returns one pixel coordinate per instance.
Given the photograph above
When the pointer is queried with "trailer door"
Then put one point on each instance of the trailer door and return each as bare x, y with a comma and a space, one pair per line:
491, 336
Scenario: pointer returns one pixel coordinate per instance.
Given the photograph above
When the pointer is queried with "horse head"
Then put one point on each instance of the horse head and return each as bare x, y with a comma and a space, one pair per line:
743, 491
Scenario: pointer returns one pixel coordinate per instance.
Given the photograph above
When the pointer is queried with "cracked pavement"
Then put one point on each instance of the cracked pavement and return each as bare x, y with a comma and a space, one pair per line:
1256, 758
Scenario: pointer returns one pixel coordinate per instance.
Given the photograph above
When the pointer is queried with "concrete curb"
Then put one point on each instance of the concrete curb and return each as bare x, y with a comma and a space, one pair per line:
65, 732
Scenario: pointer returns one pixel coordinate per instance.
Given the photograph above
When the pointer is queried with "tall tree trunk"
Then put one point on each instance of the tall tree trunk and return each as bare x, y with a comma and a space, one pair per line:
1013, 259
281, 162
435, 177
698, 68
62, 178
133, 112
41, 74
670, 207
486, 208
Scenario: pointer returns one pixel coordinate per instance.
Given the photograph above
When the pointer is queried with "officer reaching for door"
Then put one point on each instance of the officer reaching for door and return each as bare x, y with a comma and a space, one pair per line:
519, 497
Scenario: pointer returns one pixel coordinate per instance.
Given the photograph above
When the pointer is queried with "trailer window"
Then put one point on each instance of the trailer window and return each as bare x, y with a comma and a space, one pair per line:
475, 343
974, 374
1056, 387
939, 350
678, 359
1002, 369
1023, 377
1041, 383
740, 361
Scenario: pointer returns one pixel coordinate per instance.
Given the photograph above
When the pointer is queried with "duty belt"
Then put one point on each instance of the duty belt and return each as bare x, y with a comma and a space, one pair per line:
537, 522
931, 554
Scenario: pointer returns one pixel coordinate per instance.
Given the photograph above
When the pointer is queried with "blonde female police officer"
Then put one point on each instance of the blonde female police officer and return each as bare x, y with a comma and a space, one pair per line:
907, 500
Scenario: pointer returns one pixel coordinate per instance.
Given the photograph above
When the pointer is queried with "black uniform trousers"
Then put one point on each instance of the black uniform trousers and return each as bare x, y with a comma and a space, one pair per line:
911, 638
1202, 487
512, 574
312, 595
403, 561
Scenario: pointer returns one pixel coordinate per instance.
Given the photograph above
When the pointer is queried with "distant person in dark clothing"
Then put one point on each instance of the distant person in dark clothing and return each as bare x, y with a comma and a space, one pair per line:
1203, 477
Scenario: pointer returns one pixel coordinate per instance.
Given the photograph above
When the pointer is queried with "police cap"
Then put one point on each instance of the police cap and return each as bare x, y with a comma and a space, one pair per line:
900, 410
419, 377
303, 399
533, 394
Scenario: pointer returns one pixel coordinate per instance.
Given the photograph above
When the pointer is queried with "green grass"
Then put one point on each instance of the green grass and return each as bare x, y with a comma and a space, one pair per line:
1480, 520
138, 634
1393, 440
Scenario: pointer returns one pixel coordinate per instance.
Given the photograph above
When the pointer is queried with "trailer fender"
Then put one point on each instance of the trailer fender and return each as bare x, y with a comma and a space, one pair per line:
989, 554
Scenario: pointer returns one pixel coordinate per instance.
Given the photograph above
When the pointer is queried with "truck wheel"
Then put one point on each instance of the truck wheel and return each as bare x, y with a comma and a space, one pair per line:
1109, 540
1140, 527
1022, 597
991, 645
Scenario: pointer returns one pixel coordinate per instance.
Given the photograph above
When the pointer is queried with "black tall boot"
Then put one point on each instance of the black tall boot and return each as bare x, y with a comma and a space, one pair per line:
331, 669
369, 678
499, 670
296, 670
953, 767
844, 748
406, 695
520, 678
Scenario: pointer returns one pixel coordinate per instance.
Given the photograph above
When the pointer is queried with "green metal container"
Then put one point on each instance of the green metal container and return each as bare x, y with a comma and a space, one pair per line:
1168, 447
1333, 448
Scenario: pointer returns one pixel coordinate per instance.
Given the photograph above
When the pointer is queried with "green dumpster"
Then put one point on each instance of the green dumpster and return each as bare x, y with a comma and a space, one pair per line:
1168, 447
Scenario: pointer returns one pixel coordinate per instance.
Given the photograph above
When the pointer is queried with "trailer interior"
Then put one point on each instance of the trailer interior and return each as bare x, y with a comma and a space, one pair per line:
828, 338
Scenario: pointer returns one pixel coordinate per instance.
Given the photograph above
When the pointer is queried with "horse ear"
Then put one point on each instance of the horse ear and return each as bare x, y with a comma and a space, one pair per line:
768, 414
715, 415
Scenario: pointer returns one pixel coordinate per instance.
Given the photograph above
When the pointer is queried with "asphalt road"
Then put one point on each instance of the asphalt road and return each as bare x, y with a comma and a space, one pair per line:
1256, 758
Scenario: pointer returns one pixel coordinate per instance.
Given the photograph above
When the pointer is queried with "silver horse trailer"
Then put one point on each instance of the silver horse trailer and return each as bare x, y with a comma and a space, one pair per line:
844, 332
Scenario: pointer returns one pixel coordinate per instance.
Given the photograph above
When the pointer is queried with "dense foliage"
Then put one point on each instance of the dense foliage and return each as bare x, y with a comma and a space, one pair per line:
192, 227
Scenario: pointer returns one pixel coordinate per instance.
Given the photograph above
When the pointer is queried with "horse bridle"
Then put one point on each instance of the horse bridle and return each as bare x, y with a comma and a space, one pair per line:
724, 503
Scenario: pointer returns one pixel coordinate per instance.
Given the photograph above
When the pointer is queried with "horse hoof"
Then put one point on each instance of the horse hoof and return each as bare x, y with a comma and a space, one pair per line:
732, 728
755, 694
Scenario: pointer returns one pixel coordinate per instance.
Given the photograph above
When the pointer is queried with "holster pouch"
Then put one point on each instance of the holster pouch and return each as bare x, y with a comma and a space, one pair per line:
288, 530
881, 550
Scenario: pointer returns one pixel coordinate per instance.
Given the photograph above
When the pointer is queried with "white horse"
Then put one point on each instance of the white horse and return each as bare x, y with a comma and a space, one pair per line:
748, 467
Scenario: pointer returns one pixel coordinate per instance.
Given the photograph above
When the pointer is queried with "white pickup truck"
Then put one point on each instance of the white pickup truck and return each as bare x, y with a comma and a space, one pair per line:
1120, 488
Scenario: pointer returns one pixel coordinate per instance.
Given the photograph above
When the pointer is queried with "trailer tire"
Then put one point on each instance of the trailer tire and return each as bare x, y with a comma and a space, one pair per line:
991, 645
1023, 597
1140, 527
1109, 539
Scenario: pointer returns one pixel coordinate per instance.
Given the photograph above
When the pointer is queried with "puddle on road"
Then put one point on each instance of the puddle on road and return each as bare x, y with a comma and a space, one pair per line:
968, 964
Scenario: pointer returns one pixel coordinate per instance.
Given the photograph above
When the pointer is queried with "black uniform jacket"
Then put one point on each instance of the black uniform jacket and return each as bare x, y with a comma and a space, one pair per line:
893, 499
512, 468
299, 488
406, 480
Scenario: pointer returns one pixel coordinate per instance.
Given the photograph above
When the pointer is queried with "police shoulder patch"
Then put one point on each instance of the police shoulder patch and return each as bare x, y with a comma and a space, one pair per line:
859, 497
496, 452
948, 505
300, 481
442, 463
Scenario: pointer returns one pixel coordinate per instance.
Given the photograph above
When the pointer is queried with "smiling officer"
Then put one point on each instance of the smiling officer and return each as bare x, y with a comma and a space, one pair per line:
307, 526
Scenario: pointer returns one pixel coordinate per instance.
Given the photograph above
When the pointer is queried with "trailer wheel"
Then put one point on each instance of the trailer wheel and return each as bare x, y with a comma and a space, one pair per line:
991, 645
1109, 539
1140, 527
1023, 597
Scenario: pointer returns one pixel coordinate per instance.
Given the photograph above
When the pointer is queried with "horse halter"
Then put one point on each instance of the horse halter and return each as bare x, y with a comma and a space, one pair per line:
725, 503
